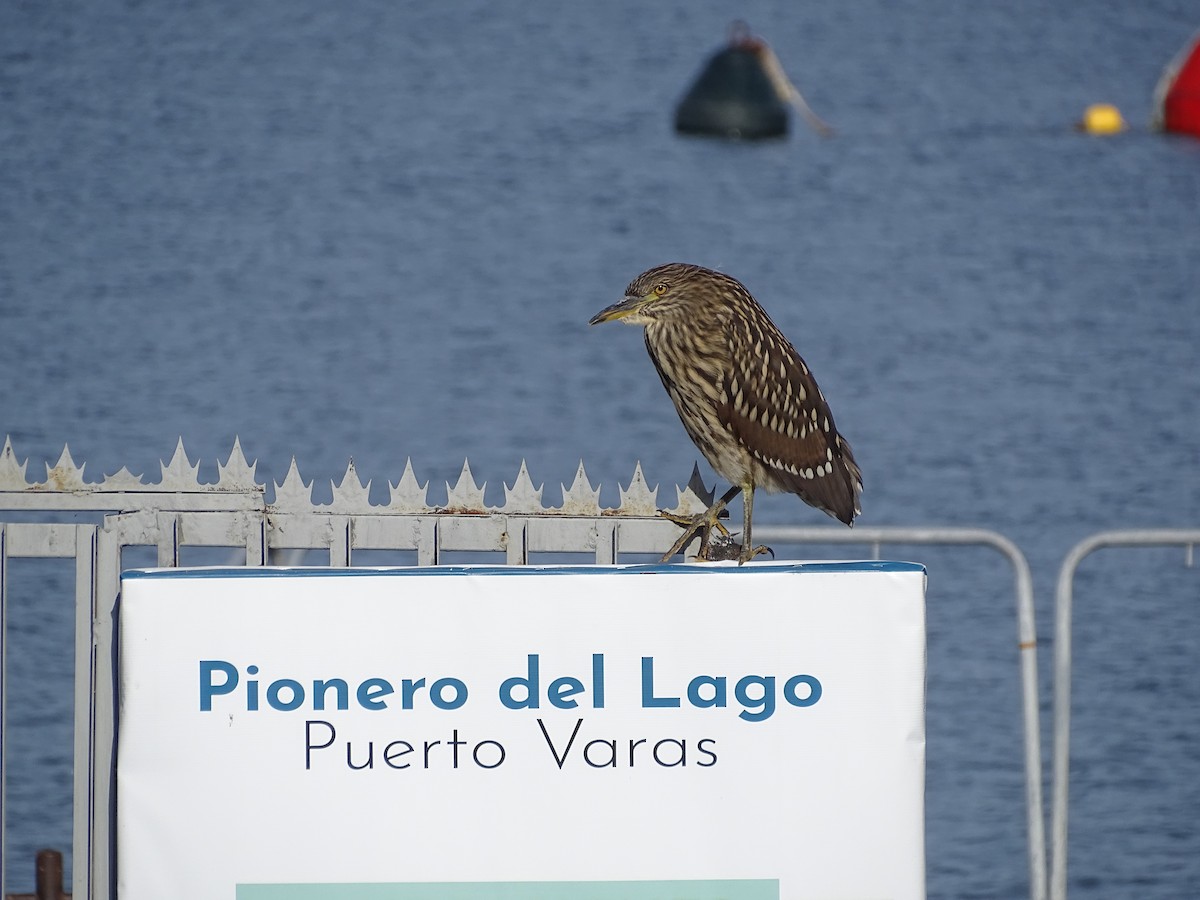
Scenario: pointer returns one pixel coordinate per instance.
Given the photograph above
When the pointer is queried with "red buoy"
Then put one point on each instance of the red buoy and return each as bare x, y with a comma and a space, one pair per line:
1177, 97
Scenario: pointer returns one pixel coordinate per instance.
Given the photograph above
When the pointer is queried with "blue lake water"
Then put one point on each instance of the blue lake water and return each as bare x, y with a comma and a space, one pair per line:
378, 232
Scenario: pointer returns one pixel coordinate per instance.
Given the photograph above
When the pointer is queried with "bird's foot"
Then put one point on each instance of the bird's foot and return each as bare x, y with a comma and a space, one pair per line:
714, 547
702, 524
748, 553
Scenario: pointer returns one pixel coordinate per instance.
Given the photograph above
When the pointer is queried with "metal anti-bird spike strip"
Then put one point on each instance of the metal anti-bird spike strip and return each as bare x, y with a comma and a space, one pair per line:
638, 499
12, 475
694, 497
408, 496
237, 474
179, 474
522, 497
122, 480
65, 475
465, 495
293, 495
582, 499
351, 496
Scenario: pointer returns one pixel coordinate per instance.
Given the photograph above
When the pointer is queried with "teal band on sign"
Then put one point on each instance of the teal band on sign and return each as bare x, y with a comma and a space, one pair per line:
744, 889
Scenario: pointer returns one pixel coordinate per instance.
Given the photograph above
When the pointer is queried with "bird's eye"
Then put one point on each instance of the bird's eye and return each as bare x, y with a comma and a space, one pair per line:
660, 289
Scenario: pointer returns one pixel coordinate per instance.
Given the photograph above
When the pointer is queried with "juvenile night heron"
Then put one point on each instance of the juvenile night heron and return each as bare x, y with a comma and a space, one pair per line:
745, 396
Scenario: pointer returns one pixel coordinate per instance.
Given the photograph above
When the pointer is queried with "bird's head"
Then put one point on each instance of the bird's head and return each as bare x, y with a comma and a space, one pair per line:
659, 293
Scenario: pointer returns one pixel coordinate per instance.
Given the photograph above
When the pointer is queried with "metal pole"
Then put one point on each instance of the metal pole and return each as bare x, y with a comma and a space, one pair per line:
86, 561
3, 698
1062, 676
1026, 644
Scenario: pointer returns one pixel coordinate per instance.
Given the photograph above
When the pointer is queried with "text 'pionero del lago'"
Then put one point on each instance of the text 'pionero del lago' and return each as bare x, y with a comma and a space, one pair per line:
232, 689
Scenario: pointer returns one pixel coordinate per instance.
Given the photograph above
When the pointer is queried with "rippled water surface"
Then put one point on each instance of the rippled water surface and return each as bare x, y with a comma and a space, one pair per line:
378, 232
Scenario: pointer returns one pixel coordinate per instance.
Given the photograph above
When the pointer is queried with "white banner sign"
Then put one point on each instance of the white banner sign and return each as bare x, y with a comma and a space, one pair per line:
652, 732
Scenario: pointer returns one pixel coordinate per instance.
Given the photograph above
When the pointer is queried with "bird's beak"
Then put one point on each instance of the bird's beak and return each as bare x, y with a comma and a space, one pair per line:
618, 310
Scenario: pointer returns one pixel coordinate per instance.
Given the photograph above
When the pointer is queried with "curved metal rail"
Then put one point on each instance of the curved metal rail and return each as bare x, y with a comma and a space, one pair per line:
1163, 537
1026, 644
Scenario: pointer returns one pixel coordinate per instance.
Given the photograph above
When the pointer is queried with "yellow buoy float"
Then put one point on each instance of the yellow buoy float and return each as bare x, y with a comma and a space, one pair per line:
1102, 118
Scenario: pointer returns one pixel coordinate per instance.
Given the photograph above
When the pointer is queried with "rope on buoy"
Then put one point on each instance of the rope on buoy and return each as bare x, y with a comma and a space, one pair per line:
740, 36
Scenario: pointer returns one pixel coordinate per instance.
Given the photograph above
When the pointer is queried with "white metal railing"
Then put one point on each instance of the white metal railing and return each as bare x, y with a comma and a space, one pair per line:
1063, 600
1026, 646
179, 511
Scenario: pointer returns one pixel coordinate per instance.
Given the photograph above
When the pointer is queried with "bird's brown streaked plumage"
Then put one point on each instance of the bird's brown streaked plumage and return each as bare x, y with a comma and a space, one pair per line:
743, 393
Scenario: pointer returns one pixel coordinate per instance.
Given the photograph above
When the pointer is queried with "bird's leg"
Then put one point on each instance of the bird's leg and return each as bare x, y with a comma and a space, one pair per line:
702, 524
749, 551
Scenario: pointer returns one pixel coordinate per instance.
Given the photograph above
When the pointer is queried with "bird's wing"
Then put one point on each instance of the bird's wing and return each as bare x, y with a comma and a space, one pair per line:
776, 410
